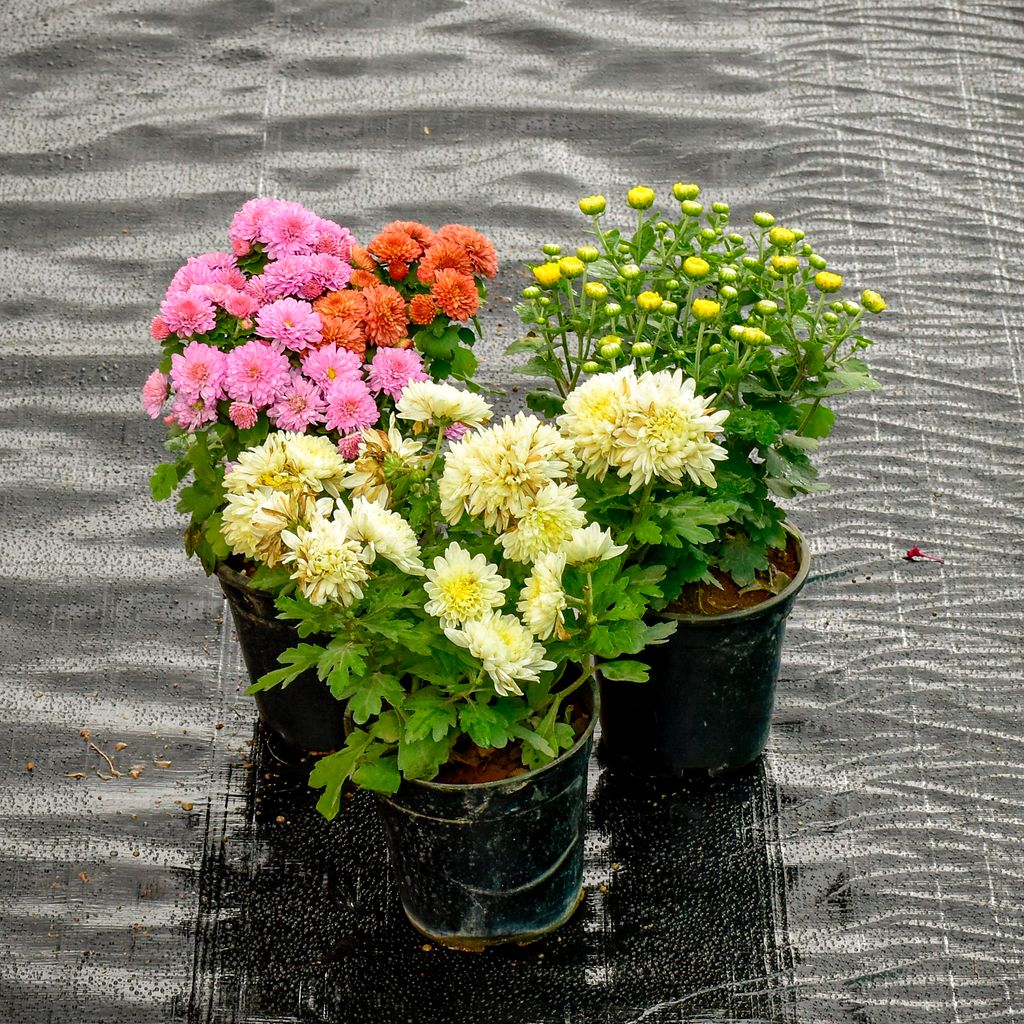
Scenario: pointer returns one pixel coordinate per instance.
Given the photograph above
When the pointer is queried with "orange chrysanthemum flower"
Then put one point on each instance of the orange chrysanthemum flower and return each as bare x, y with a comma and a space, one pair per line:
416, 230
361, 259
478, 247
348, 304
455, 293
422, 309
363, 279
444, 255
345, 334
395, 245
398, 271
386, 322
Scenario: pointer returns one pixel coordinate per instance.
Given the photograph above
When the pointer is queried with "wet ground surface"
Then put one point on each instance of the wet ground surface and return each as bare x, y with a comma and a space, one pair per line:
868, 869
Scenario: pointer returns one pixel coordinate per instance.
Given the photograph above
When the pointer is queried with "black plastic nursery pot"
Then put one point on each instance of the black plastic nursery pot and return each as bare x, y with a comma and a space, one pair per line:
303, 713
489, 863
708, 703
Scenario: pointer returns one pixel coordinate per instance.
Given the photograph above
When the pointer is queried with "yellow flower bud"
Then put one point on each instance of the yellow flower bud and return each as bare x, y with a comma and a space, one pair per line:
642, 349
691, 208
612, 309
873, 302
728, 292
592, 205
755, 336
827, 281
763, 219
683, 192
590, 366
668, 308
595, 290
816, 261
695, 268
649, 301
547, 274
727, 274
550, 249
705, 310
766, 307
786, 265
531, 292
781, 237
640, 197
571, 266
715, 349
629, 272
610, 346
587, 253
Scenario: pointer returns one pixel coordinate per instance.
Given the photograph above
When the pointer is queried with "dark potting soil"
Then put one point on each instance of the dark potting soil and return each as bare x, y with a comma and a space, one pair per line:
704, 599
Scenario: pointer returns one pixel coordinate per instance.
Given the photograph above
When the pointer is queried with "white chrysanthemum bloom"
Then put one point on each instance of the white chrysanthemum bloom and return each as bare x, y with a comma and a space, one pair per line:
591, 544
280, 511
386, 534
381, 451
668, 433
542, 600
506, 649
315, 461
594, 412
547, 525
497, 473
462, 587
327, 562
266, 465
424, 401
236, 525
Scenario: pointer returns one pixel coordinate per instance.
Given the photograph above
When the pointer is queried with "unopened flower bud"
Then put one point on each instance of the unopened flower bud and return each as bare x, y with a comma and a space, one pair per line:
595, 290
715, 349
873, 302
708, 235
671, 284
850, 307
547, 274
720, 207
661, 227
763, 219
571, 266
766, 307
590, 366
640, 197
728, 292
649, 301
610, 346
531, 292
550, 249
544, 300
786, 265
807, 248
683, 192
669, 308
592, 205
817, 262
781, 237
629, 272
736, 332
624, 247
587, 253
798, 234
752, 263
735, 238
727, 273
836, 306
755, 336
691, 208
612, 309
695, 268
642, 349
705, 310
828, 282
829, 317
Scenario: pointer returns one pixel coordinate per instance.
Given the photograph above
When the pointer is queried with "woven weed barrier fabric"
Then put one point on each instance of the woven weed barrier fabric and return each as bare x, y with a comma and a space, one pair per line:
868, 870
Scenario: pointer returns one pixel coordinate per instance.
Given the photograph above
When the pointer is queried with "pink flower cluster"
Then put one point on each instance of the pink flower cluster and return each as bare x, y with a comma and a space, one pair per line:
286, 229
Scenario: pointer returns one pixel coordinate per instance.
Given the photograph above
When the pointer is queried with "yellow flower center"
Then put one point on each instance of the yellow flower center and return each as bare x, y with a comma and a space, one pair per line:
331, 373
462, 594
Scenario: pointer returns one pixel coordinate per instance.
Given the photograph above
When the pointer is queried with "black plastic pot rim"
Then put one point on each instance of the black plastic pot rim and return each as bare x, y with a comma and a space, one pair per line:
462, 787
233, 576
727, 618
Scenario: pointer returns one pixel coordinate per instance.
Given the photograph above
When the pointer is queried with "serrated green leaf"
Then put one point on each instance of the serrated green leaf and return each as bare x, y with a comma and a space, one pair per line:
380, 776
742, 559
366, 701
332, 772
629, 671
421, 759
163, 481
295, 661
547, 403
816, 422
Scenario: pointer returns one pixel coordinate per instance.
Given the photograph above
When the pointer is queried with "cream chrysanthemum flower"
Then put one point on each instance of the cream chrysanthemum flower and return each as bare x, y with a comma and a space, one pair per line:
266, 465
288, 462
668, 433
382, 453
327, 562
315, 461
462, 587
591, 544
547, 525
425, 402
497, 473
542, 600
254, 521
236, 525
594, 412
506, 650
387, 535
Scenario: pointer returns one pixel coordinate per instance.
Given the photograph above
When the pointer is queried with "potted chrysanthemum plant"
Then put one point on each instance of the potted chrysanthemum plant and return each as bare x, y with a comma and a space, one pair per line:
298, 329
463, 599
756, 328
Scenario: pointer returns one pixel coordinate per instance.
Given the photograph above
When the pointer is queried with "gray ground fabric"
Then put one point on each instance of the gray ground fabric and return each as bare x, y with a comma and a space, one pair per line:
871, 870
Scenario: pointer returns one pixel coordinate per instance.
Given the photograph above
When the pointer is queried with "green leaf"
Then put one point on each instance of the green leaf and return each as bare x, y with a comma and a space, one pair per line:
332, 772
535, 740
163, 481
484, 724
215, 538
742, 559
342, 664
366, 701
659, 632
531, 343
429, 714
646, 532
625, 636
464, 364
819, 423
421, 759
630, 671
295, 660
790, 474
438, 347
381, 776
547, 403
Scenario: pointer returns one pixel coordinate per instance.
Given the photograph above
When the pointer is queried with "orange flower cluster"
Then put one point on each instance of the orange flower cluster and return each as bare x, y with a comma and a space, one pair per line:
374, 315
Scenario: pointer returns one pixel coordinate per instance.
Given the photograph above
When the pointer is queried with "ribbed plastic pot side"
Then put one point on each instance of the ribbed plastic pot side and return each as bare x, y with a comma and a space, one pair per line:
708, 704
484, 864
303, 713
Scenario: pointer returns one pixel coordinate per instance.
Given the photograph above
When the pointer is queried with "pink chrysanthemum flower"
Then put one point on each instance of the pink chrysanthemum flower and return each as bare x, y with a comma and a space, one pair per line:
291, 323
217, 260
350, 406
329, 272
209, 268
199, 372
456, 432
329, 363
290, 230
256, 287
286, 276
392, 369
298, 407
256, 373
154, 394
158, 328
334, 239
247, 223
243, 415
348, 446
186, 315
240, 304
191, 415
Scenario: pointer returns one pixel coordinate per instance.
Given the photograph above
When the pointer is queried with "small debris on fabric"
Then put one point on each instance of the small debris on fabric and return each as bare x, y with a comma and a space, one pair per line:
120, 746
30, 766
915, 553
